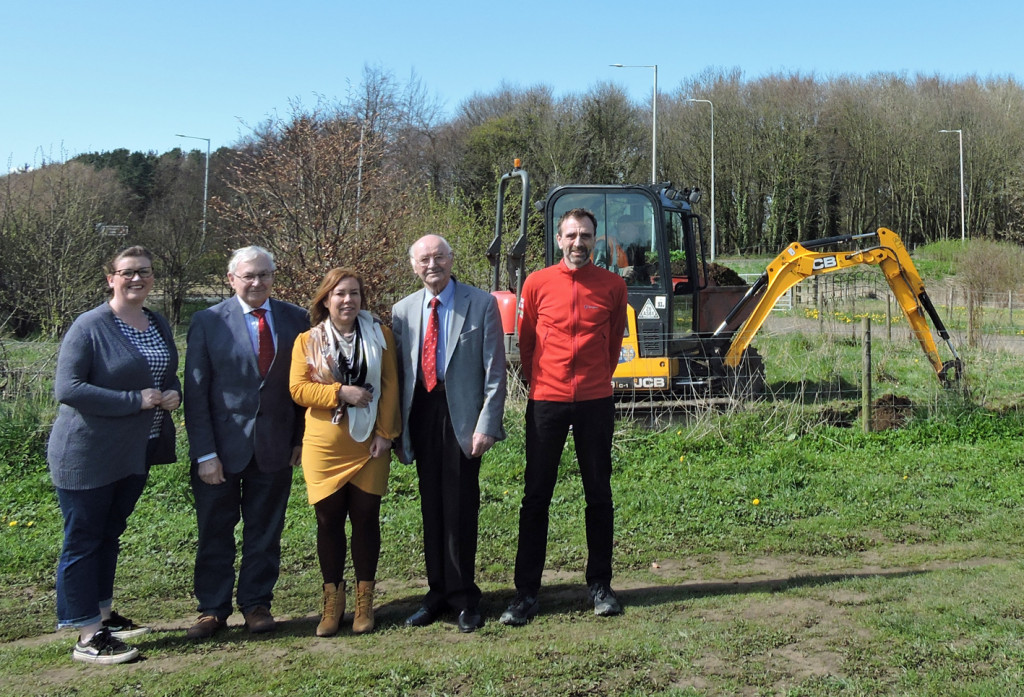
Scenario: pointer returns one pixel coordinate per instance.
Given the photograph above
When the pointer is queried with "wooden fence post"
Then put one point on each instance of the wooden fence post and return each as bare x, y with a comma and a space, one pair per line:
865, 380
888, 316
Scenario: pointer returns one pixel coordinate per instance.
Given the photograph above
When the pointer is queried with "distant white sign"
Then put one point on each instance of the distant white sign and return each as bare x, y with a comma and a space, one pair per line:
112, 230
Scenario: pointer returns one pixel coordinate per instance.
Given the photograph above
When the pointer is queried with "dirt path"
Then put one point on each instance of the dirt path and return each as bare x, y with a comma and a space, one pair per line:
816, 621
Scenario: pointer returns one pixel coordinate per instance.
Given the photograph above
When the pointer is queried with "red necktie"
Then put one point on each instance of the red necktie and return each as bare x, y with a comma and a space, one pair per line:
429, 355
266, 342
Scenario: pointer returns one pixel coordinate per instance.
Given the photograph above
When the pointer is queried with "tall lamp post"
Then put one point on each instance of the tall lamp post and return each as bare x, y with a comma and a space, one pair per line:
963, 225
708, 102
654, 119
206, 177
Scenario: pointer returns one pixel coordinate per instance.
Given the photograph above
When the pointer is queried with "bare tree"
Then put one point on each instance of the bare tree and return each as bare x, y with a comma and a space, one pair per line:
317, 191
54, 243
987, 266
176, 233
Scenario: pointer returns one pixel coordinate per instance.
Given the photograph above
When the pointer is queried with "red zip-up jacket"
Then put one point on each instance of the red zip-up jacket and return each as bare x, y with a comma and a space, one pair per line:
571, 332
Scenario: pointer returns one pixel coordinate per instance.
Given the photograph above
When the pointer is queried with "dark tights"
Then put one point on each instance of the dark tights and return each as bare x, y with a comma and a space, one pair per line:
363, 510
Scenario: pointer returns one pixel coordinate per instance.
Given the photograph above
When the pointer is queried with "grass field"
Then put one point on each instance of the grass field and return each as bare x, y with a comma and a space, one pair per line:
759, 551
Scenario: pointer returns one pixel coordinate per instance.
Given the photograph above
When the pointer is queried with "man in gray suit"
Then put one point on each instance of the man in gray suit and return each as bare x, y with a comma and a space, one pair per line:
453, 401
245, 436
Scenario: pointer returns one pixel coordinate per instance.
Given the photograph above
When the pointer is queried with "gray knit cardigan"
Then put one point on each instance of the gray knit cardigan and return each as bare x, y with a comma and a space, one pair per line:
101, 433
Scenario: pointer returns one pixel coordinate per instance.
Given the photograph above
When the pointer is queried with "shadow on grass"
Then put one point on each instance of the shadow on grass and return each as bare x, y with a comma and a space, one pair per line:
555, 599
812, 392
656, 595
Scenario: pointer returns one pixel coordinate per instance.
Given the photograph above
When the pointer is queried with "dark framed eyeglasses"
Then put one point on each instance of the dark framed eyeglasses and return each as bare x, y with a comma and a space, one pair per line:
144, 272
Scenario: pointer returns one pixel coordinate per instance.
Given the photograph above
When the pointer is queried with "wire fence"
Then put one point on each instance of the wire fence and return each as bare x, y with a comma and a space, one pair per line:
26, 368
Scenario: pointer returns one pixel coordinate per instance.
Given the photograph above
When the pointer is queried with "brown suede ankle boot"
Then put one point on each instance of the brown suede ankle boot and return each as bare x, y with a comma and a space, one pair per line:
363, 621
332, 609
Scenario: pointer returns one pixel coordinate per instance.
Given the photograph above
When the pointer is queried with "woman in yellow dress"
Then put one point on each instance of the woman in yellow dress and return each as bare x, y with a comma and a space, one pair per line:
344, 370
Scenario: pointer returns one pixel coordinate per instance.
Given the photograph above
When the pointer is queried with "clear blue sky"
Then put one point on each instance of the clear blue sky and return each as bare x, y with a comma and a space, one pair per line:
98, 75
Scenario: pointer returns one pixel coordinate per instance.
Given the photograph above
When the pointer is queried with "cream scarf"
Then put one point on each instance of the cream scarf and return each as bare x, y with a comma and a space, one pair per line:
323, 352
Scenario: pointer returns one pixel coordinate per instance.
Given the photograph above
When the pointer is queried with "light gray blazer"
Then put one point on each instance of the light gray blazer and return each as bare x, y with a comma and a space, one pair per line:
229, 409
474, 364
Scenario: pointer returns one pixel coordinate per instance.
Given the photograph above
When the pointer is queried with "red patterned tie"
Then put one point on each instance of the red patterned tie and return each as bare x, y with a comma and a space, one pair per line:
429, 355
266, 342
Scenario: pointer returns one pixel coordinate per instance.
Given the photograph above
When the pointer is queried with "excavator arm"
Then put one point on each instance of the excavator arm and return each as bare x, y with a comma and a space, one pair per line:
798, 261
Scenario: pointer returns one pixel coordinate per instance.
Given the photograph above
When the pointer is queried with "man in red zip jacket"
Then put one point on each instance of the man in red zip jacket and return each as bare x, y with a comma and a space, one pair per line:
573, 318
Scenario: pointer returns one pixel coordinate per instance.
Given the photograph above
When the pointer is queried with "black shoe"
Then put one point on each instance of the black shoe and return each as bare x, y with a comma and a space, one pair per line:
105, 649
470, 620
605, 602
123, 628
522, 608
421, 618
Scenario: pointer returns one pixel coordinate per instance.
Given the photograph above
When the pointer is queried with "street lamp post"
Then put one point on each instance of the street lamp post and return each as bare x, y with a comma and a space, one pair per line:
963, 225
708, 102
654, 119
206, 176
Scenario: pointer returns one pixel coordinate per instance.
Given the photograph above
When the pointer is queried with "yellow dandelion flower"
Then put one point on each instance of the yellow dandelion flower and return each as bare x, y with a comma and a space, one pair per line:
13, 524
682, 457
756, 502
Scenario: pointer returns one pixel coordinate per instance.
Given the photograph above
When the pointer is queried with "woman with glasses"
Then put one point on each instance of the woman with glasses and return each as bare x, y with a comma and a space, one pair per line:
116, 383
345, 371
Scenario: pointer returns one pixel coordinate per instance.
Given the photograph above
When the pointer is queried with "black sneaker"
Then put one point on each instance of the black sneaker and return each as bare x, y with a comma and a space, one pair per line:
605, 602
522, 608
123, 628
104, 649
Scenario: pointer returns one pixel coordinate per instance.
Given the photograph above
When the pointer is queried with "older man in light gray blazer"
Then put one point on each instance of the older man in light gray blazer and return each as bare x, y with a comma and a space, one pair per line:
453, 401
245, 435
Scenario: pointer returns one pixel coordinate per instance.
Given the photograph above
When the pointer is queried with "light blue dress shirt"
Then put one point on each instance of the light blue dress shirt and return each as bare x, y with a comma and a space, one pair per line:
444, 316
253, 323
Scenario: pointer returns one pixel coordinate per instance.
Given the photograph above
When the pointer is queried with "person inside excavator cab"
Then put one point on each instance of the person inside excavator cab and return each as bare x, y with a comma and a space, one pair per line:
625, 252
609, 254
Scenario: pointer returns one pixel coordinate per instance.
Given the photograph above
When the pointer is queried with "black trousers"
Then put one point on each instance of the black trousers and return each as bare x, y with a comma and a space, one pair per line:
547, 427
449, 485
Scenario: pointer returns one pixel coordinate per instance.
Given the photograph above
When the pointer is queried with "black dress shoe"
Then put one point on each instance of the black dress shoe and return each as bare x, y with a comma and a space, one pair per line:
470, 620
421, 618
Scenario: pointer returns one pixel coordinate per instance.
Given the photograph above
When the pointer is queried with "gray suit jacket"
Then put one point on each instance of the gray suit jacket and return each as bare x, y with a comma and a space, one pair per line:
229, 409
474, 364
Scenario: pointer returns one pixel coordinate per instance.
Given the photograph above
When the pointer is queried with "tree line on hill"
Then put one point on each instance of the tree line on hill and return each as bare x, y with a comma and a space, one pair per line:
354, 181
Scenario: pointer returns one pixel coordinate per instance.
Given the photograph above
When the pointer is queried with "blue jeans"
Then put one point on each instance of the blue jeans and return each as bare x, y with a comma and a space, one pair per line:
93, 522
259, 499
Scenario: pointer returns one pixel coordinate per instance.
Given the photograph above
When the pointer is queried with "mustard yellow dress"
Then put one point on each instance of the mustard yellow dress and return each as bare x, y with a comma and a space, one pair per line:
331, 458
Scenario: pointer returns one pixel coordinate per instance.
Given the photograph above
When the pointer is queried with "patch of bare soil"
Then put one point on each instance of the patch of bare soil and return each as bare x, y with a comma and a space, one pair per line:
890, 411
887, 412
839, 417
721, 275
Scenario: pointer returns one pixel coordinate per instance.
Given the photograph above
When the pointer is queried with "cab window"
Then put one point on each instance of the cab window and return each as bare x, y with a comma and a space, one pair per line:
625, 238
